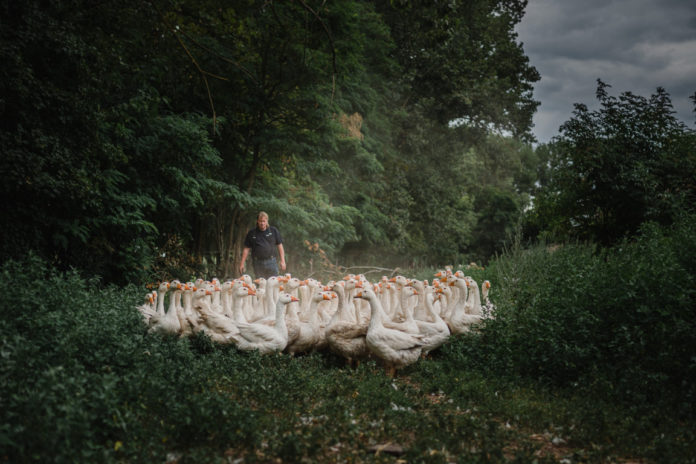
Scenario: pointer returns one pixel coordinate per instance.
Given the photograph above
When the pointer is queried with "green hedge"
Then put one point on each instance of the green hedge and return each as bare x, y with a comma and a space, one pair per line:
621, 320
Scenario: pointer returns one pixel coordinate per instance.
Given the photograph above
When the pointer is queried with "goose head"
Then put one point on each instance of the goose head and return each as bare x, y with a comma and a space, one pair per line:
292, 283
240, 291
409, 291
322, 296
226, 286
366, 294
285, 298
485, 287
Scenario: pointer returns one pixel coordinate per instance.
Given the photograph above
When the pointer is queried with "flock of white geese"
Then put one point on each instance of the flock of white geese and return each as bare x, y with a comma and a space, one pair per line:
394, 320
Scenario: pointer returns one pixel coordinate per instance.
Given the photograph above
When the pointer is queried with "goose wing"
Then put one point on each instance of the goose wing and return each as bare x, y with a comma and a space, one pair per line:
346, 330
256, 333
397, 339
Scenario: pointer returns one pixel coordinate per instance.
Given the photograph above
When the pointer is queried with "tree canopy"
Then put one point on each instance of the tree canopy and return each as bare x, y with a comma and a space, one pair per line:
141, 138
614, 168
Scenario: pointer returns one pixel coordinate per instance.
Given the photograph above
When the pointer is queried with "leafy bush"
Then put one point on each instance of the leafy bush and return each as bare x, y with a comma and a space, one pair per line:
619, 319
80, 380
614, 168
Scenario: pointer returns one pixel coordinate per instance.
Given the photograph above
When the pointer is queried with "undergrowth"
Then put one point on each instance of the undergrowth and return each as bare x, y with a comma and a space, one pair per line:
589, 359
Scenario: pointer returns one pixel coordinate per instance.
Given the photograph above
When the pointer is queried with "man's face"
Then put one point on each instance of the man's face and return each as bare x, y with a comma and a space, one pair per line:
262, 223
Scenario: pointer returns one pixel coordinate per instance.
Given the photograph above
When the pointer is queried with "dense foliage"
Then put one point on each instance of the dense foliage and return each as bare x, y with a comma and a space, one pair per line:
621, 318
614, 168
140, 138
593, 353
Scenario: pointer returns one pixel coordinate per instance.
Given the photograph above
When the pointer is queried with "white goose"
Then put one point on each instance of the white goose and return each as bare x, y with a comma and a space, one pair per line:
328, 310
473, 304
409, 324
259, 303
240, 292
169, 323
307, 290
324, 312
397, 311
437, 332
309, 332
461, 320
202, 305
190, 312
448, 302
226, 297
292, 286
304, 293
394, 347
162, 290
185, 311
220, 323
488, 306
262, 337
149, 307
217, 294
248, 306
419, 311
345, 336
384, 295
267, 311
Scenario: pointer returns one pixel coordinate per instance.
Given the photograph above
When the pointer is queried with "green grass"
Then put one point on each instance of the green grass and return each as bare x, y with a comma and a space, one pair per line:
573, 367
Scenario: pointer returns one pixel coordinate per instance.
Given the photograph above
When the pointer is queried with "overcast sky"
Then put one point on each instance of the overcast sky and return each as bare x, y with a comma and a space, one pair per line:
632, 45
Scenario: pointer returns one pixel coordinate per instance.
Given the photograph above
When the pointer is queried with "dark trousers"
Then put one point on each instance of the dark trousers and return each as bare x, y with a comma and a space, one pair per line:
265, 267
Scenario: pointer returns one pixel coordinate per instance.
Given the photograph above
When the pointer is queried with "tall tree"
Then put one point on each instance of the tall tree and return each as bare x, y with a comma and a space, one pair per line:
462, 62
97, 165
134, 131
463, 76
614, 168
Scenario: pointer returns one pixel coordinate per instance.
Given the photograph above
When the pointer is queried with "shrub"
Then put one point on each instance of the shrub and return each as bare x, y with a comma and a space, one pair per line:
620, 319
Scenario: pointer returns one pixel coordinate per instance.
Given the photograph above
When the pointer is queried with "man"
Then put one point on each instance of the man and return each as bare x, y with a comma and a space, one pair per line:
262, 242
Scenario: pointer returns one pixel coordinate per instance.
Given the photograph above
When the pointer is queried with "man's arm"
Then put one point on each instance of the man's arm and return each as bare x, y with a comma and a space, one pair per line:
245, 253
281, 255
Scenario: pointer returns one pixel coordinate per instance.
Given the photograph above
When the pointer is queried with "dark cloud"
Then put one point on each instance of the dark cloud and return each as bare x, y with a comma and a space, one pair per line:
633, 45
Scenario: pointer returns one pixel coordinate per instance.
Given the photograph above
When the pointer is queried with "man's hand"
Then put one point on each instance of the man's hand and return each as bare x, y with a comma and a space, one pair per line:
241, 269
282, 265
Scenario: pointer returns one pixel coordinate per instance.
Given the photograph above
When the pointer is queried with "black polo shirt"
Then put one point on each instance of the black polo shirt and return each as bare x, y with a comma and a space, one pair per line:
263, 243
